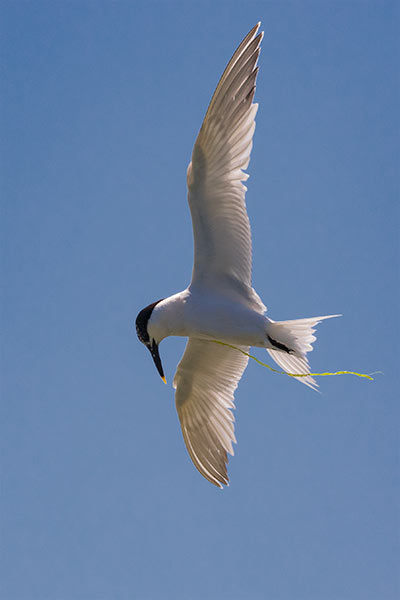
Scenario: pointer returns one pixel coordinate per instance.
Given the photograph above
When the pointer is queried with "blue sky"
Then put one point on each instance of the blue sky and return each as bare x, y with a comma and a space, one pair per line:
101, 105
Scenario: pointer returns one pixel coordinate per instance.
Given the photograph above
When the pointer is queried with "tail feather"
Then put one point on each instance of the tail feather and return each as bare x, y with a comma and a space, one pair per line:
297, 337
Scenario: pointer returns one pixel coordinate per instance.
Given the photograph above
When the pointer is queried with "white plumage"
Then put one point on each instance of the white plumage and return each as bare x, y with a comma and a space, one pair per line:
205, 381
220, 303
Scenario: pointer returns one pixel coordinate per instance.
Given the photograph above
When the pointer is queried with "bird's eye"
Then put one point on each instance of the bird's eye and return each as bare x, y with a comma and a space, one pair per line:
142, 335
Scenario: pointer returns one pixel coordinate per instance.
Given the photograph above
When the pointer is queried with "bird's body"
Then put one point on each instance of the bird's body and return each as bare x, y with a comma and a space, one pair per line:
205, 314
220, 303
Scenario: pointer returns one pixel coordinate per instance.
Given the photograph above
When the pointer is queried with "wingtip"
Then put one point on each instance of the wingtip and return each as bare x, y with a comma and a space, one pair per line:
253, 32
256, 28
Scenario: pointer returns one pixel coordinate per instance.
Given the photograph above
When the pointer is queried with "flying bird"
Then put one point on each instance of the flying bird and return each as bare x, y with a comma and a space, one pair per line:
220, 303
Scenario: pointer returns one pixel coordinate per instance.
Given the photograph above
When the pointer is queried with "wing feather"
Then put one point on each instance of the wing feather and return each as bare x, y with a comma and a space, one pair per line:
205, 382
222, 236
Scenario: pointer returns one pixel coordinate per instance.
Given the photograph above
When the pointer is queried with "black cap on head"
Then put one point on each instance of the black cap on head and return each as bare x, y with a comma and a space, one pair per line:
141, 322
141, 329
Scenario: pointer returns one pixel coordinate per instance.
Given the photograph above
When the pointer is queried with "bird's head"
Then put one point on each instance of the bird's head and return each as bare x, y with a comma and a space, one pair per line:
144, 331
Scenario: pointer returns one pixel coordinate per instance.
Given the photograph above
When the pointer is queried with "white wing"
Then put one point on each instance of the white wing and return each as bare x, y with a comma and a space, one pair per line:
205, 381
222, 236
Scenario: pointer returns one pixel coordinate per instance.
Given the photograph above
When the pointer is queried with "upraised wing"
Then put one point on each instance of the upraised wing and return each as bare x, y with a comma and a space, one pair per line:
205, 381
222, 236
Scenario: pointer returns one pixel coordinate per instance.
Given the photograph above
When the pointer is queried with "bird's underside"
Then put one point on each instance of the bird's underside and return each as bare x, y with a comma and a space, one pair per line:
208, 374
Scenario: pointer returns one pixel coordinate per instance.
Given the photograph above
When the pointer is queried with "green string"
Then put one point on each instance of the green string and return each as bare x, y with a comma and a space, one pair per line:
365, 375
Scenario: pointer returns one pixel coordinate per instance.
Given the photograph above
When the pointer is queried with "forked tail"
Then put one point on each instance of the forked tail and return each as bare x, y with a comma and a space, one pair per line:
290, 341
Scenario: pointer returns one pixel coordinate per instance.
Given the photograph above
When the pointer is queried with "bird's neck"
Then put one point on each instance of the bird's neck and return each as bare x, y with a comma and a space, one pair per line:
168, 317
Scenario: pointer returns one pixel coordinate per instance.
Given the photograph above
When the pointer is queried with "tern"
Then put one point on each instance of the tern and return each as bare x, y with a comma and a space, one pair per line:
220, 303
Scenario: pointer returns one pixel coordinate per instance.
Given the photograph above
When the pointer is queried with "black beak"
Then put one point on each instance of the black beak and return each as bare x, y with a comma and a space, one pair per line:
157, 360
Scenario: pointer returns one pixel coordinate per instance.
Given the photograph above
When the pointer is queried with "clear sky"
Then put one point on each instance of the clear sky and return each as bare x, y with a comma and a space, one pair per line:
101, 105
